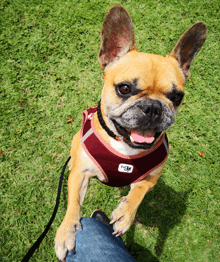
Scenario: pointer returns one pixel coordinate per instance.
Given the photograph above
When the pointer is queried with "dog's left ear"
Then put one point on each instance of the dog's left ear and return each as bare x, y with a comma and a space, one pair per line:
189, 45
117, 35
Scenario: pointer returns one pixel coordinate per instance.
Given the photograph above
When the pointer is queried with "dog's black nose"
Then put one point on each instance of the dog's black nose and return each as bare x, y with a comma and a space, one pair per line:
152, 109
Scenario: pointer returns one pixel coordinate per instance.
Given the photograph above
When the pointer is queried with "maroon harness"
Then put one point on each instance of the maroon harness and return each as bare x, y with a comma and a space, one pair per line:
119, 169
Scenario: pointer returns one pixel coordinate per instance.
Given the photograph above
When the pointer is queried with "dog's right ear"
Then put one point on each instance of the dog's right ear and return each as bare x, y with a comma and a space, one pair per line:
117, 35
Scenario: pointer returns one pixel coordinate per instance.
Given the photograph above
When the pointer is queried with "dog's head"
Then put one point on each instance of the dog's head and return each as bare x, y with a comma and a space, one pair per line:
142, 92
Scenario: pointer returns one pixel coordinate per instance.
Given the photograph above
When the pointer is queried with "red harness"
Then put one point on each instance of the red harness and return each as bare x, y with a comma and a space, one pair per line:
119, 169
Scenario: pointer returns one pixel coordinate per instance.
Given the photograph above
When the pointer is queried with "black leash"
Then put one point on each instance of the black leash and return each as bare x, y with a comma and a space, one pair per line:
41, 237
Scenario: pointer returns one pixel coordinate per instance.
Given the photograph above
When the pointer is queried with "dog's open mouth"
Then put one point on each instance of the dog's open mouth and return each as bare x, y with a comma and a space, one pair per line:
142, 139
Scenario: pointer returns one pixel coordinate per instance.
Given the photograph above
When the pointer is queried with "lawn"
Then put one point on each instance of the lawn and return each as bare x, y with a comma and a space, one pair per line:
49, 73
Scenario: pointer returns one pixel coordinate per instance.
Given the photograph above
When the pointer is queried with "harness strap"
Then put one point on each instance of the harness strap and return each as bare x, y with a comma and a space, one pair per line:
87, 134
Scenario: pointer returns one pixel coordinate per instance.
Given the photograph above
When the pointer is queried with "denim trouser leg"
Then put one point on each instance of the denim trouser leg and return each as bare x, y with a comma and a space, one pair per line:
95, 243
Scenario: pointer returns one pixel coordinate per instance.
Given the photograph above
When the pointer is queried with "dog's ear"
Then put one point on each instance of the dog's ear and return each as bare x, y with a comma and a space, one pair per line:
188, 46
117, 35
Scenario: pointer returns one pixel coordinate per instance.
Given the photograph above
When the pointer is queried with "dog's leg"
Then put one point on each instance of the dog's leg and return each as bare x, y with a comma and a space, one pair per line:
124, 214
66, 233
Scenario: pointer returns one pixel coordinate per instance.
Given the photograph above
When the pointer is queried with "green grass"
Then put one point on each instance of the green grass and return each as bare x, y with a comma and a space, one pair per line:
49, 73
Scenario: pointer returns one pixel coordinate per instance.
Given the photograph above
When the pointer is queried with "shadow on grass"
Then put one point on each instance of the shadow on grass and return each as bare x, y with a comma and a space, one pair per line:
162, 208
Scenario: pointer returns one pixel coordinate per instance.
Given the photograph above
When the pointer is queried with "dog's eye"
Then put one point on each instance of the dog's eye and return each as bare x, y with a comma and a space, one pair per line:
124, 89
177, 98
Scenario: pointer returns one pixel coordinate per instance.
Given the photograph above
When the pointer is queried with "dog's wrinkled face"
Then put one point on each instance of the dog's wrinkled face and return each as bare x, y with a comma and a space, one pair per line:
142, 92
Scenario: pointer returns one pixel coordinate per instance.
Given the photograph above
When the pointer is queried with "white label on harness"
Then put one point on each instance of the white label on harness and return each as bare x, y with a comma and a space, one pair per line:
125, 168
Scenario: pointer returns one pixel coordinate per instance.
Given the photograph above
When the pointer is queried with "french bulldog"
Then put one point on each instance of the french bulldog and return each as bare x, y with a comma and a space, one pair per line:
123, 140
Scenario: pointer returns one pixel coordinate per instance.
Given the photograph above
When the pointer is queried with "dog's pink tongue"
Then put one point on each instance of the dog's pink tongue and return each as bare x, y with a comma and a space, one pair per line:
148, 136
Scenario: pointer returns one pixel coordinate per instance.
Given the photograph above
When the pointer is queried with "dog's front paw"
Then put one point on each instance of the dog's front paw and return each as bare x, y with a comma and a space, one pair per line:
65, 238
122, 217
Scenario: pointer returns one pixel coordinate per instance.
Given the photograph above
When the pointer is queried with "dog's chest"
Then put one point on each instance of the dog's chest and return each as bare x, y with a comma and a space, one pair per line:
123, 148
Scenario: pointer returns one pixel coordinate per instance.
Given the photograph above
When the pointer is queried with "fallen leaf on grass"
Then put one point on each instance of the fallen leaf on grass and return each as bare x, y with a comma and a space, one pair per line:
69, 120
201, 153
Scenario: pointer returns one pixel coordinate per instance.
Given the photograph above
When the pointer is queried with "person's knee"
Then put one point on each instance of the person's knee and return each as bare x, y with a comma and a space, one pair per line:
88, 222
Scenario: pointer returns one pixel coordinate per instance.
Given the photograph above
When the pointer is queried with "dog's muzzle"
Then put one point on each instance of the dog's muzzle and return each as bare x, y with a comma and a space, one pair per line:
152, 111
141, 124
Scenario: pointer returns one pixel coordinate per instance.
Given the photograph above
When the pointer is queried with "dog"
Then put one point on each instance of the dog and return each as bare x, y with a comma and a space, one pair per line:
123, 140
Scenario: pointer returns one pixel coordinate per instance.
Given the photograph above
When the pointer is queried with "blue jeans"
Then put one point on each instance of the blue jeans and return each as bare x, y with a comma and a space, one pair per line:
95, 243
